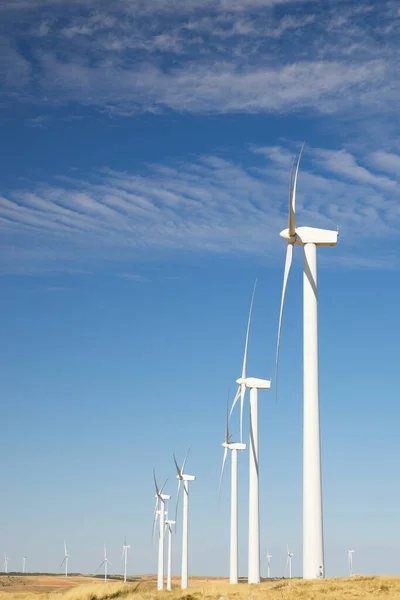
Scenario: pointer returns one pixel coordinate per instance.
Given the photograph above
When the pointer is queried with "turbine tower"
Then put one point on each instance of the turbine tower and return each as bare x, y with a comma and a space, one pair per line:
5, 563
310, 238
350, 561
124, 557
254, 385
65, 560
181, 476
169, 524
234, 448
289, 561
160, 511
105, 563
269, 556
23, 564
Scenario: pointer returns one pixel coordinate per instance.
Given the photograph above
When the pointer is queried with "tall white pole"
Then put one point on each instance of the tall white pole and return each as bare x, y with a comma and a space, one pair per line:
254, 518
105, 571
184, 577
269, 567
23, 564
233, 570
169, 566
313, 546
290, 567
160, 579
66, 567
126, 560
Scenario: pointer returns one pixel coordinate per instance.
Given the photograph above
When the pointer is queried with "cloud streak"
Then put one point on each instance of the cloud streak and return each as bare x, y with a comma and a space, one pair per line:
210, 205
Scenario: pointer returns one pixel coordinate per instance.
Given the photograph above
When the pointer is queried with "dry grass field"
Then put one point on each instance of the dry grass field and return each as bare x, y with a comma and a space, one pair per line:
87, 588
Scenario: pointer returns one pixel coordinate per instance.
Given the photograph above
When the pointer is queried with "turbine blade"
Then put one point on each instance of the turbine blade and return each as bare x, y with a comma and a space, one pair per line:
100, 566
242, 393
155, 482
292, 211
288, 264
222, 471
162, 487
64, 559
177, 502
177, 467
227, 436
155, 518
248, 332
294, 189
236, 398
184, 462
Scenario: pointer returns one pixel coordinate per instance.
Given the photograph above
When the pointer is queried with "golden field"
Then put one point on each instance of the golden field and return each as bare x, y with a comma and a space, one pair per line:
87, 588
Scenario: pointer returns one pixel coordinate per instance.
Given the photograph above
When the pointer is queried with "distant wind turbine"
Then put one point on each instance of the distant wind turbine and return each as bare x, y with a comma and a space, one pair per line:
105, 563
350, 561
23, 563
169, 524
5, 563
269, 556
233, 447
310, 238
289, 561
159, 511
254, 512
185, 527
65, 560
124, 557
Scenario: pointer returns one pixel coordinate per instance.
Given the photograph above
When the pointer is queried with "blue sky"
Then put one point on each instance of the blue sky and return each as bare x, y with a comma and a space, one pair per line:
145, 151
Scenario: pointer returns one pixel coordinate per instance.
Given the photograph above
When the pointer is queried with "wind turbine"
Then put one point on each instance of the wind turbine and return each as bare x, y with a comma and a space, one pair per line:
254, 512
169, 524
160, 511
269, 556
105, 563
181, 476
233, 447
289, 561
310, 238
350, 560
65, 560
23, 563
124, 557
5, 563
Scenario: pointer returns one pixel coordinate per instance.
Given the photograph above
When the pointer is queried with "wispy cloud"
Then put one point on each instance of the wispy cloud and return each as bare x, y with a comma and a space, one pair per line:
209, 205
200, 56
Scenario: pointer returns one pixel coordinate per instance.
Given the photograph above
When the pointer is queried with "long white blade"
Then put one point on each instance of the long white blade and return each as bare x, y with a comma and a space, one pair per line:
292, 209
161, 490
177, 501
65, 549
242, 393
155, 518
236, 398
294, 188
184, 462
177, 467
155, 483
288, 264
227, 436
222, 471
248, 332
100, 566
65, 558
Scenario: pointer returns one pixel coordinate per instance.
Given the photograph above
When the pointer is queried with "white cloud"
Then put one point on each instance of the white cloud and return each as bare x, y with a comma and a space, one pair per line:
210, 205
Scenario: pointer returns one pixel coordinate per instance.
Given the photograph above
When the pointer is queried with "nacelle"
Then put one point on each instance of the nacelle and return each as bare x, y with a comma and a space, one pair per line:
260, 384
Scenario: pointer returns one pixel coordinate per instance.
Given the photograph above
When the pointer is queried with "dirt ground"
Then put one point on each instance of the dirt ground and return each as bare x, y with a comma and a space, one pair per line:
44, 583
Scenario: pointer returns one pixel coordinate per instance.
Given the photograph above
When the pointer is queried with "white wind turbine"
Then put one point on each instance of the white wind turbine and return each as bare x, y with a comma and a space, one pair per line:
233, 447
350, 561
181, 476
269, 556
5, 563
289, 561
65, 560
105, 562
124, 557
310, 238
254, 513
169, 524
160, 511
23, 564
